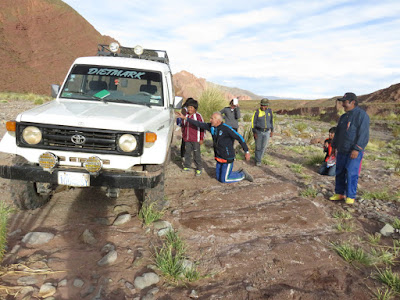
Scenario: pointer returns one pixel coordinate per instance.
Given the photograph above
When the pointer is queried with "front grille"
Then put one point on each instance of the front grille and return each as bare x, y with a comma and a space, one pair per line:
95, 140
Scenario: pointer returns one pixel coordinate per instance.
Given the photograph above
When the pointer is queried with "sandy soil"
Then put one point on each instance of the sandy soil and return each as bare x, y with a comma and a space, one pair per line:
258, 240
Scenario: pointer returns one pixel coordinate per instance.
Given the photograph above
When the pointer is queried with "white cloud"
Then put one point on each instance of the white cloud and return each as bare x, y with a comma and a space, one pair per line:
281, 48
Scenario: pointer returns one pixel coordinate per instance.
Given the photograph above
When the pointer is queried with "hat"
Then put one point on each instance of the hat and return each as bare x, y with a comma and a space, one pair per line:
264, 101
192, 102
235, 101
348, 96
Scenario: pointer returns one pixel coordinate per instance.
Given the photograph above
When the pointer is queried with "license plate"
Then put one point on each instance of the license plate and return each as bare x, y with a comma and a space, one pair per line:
73, 179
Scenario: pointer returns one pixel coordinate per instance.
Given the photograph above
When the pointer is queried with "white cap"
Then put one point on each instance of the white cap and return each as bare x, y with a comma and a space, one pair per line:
235, 101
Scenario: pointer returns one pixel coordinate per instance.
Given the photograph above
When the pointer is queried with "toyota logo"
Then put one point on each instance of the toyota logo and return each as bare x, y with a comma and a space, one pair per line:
78, 139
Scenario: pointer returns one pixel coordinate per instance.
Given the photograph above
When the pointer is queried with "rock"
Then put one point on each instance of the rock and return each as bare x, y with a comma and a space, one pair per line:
123, 208
37, 238
387, 230
164, 231
15, 232
122, 219
78, 283
193, 295
161, 225
47, 290
251, 289
107, 248
88, 237
108, 259
146, 280
27, 280
63, 283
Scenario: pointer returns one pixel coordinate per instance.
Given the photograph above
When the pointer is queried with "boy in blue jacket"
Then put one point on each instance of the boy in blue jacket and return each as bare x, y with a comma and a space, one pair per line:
350, 140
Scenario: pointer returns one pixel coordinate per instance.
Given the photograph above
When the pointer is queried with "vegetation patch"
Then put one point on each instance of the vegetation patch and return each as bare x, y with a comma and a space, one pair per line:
148, 214
172, 261
5, 212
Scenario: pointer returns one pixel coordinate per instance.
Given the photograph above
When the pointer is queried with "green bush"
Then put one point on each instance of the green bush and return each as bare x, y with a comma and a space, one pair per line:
210, 101
4, 214
247, 117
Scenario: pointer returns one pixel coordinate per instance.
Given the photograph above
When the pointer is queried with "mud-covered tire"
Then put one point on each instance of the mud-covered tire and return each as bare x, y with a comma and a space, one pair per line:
154, 197
24, 193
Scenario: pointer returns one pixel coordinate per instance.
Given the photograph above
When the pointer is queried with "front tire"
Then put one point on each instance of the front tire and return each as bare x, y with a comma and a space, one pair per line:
25, 194
154, 197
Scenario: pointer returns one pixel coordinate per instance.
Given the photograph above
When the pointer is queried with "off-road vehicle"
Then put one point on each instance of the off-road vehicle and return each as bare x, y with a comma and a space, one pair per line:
110, 125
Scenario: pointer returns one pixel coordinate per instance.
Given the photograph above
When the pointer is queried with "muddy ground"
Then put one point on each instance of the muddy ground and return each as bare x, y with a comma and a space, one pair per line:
251, 240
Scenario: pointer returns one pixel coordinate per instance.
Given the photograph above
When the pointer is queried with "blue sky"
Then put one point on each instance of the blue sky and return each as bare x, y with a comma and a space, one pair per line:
299, 49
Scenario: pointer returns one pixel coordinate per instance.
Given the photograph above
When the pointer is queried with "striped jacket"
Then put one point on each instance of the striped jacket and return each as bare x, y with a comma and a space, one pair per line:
190, 132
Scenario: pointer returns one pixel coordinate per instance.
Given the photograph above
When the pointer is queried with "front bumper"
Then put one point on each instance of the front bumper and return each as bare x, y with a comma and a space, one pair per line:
123, 180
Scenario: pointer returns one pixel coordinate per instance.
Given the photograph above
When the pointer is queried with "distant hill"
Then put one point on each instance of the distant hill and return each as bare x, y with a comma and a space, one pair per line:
39, 40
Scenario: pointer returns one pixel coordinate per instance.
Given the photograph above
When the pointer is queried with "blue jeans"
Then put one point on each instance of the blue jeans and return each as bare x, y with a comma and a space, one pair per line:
324, 170
261, 144
224, 173
347, 172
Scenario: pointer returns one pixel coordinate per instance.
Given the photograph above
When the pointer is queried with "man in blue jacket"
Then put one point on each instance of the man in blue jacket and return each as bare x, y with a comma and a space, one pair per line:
350, 140
223, 137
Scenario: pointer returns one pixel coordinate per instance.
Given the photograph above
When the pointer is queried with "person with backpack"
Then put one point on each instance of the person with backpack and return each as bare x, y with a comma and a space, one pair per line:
262, 125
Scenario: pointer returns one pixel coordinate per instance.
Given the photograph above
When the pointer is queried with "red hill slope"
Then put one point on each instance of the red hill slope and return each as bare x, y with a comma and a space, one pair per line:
39, 39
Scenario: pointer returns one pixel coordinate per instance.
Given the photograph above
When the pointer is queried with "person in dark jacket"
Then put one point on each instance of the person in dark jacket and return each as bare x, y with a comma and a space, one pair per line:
223, 137
262, 125
231, 114
350, 140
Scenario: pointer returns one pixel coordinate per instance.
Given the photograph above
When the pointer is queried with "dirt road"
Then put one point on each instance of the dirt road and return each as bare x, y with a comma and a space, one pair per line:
258, 240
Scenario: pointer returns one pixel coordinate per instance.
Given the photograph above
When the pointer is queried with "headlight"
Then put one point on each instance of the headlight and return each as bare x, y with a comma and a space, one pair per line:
32, 135
127, 142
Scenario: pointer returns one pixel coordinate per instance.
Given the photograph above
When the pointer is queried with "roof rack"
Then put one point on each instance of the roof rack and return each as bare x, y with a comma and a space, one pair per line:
148, 54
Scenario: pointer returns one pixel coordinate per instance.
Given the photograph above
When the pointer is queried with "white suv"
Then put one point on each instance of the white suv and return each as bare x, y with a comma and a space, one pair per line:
110, 125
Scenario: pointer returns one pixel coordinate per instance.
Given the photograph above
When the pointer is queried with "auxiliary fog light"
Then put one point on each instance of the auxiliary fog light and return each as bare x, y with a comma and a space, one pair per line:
114, 47
93, 165
138, 50
48, 161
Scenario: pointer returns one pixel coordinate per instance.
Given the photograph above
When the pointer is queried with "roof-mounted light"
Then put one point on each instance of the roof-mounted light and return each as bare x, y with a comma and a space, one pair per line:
138, 50
114, 47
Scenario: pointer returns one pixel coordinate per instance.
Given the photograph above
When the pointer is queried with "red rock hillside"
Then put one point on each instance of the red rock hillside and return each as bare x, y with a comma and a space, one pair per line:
187, 85
39, 40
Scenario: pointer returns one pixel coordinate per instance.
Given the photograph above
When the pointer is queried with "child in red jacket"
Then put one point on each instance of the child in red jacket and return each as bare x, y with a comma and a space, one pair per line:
193, 137
328, 167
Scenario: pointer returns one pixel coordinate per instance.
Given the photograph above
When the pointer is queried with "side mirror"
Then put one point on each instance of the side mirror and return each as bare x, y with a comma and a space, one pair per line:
178, 102
55, 88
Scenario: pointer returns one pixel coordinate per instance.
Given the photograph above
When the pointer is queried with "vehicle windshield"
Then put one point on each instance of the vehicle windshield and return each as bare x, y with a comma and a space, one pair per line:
112, 84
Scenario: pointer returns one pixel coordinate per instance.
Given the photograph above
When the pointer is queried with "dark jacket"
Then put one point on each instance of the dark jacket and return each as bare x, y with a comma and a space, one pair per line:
352, 131
223, 138
231, 116
262, 120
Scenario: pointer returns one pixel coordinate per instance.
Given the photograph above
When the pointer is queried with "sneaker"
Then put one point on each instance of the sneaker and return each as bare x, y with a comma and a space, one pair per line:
337, 197
198, 172
247, 176
258, 164
349, 200
186, 170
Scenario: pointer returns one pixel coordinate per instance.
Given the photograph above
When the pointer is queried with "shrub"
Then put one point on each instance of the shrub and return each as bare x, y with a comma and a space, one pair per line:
210, 101
247, 117
300, 126
315, 160
4, 214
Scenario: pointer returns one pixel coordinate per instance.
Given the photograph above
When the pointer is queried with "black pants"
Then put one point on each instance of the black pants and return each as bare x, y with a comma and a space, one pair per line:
193, 147
183, 148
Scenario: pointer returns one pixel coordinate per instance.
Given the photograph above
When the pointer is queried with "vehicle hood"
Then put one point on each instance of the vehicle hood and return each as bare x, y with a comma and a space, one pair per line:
114, 116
